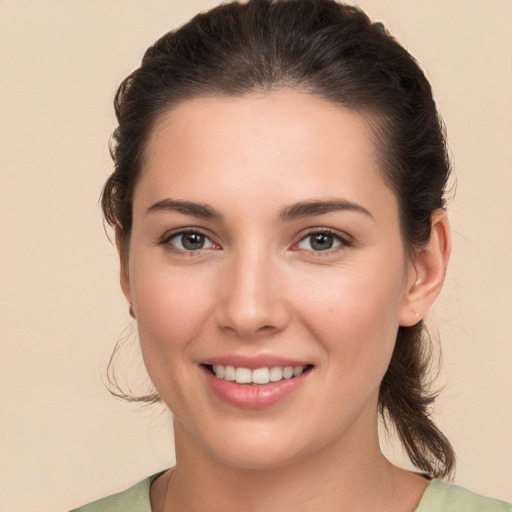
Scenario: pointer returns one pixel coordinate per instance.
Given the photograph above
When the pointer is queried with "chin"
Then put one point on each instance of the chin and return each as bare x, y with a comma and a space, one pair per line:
253, 448
256, 457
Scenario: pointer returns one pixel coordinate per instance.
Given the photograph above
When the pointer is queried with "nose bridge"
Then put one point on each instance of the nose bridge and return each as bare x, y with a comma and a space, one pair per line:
252, 300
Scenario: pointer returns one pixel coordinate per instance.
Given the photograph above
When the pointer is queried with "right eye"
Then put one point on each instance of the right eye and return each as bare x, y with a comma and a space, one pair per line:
189, 241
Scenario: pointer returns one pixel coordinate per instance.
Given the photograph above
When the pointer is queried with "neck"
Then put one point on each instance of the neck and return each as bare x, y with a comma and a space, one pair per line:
349, 474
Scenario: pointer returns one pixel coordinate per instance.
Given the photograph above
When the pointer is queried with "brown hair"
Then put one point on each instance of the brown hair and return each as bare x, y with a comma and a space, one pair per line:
334, 51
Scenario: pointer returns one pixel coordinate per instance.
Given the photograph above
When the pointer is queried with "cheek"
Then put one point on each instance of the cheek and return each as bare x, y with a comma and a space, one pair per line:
354, 313
171, 307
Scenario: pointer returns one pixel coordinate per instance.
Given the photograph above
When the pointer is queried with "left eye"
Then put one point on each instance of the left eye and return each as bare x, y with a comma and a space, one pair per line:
190, 241
320, 242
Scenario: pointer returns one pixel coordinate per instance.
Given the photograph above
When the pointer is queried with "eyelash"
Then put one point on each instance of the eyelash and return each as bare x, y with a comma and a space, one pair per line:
343, 241
166, 239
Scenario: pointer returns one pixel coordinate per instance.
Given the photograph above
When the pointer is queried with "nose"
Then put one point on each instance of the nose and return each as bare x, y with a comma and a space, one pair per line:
252, 302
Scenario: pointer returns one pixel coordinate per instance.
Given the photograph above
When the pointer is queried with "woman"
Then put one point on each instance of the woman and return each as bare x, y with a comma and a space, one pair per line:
278, 204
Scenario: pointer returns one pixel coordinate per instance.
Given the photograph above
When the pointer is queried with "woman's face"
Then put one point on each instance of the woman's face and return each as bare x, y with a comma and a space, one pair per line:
264, 239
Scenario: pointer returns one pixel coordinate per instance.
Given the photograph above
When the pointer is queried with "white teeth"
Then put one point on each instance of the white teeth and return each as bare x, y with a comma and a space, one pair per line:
229, 373
288, 372
219, 371
258, 375
243, 376
276, 374
261, 376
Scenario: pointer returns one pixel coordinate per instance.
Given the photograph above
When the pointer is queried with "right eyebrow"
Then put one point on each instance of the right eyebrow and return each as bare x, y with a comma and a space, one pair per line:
203, 211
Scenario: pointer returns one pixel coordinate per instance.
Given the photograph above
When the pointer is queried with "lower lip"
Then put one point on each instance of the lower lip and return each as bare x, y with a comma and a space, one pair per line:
254, 396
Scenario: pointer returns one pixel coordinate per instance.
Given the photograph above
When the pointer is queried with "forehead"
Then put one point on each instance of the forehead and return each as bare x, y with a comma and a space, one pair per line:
213, 147
279, 119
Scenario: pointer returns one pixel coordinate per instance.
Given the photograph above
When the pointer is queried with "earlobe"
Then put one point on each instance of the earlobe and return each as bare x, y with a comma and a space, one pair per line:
428, 272
123, 277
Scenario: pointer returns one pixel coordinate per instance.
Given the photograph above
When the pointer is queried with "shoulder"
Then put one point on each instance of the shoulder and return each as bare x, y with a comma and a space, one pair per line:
443, 497
134, 499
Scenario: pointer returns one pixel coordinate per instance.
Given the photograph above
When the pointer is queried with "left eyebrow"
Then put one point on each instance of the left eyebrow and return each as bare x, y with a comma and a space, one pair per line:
319, 207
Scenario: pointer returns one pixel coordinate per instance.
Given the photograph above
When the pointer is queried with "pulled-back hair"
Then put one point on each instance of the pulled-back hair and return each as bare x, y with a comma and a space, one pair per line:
333, 51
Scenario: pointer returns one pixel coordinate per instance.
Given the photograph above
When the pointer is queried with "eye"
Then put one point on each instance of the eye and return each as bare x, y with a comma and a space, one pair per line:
190, 241
322, 241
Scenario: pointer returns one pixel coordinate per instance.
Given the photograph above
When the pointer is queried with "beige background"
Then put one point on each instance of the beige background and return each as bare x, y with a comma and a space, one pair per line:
63, 439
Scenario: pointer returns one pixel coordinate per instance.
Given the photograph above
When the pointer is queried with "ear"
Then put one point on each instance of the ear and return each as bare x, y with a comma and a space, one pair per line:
427, 272
124, 277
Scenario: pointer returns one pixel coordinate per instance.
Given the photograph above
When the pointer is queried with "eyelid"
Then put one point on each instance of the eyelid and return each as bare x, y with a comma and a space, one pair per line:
169, 235
344, 239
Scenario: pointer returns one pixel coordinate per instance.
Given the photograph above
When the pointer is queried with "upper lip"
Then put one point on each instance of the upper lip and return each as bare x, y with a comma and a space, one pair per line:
253, 362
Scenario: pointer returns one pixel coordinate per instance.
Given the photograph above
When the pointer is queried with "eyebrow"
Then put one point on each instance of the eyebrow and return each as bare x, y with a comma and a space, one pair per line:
292, 212
319, 207
202, 211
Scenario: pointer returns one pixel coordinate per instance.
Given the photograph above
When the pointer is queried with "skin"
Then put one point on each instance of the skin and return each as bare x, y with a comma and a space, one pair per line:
258, 286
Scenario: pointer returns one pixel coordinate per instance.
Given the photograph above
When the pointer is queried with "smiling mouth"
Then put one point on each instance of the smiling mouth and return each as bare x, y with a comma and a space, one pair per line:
257, 376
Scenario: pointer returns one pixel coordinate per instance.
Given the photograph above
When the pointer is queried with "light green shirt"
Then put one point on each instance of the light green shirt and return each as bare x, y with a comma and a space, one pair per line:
438, 497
